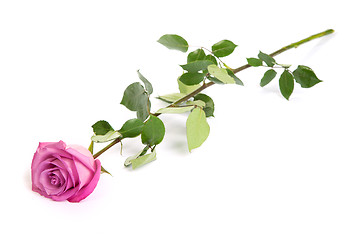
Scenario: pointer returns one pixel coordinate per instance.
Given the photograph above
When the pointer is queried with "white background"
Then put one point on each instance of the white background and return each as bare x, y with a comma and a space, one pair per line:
270, 169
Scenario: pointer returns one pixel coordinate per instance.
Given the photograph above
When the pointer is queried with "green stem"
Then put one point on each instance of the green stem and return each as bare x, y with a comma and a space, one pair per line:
290, 46
305, 40
236, 70
190, 95
117, 140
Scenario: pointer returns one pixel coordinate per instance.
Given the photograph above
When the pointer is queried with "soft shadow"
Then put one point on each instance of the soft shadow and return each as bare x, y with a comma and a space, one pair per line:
180, 147
271, 90
27, 180
318, 46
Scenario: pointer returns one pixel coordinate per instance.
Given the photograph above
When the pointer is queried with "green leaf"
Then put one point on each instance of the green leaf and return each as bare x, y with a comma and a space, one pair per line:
198, 103
109, 136
131, 128
103, 132
185, 89
173, 97
237, 80
286, 84
211, 58
143, 112
147, 84
255, 62
103, 170
196, 66
101, 127
270, 61
91, 147
192, 78
223, 48
214, 79
153, 131
268, 76
129, 159
196, 55
284, 65
172, 41
181, 109
135, 97
209, 104
305, 76
197, 128
142, 160
220, 73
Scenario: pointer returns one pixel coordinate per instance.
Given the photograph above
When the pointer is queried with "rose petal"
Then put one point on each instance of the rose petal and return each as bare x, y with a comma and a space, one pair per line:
45, 151
60, 176
84, 162
65, 195
82, 150
88, 189
69, 167
57, 145
83, 155
64, 172
85, 174
36, 172
50, 189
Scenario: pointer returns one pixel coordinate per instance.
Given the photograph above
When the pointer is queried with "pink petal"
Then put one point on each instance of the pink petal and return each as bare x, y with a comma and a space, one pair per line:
88, 189
65, 195
83, 155
84, 162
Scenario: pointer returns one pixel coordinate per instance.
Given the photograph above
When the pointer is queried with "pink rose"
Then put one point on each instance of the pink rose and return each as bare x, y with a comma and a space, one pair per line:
62, 172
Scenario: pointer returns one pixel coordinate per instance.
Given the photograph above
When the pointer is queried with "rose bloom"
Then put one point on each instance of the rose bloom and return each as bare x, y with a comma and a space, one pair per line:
62, 172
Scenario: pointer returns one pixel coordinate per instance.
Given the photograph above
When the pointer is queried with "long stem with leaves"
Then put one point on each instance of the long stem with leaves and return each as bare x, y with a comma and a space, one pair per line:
239, 69
208, 84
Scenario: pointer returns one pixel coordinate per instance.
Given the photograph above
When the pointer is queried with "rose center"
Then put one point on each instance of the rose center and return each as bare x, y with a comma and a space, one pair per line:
54, 180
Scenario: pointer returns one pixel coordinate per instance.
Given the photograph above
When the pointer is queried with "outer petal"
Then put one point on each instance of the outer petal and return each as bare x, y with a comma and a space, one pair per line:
84, 162
83, 155
81, 149
89, 188
66, 195
35, 176
44, 158
58, 145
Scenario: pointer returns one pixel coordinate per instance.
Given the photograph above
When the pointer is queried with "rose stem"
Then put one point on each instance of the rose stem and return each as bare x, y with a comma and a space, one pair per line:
290, 46
117, 140
236, 70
